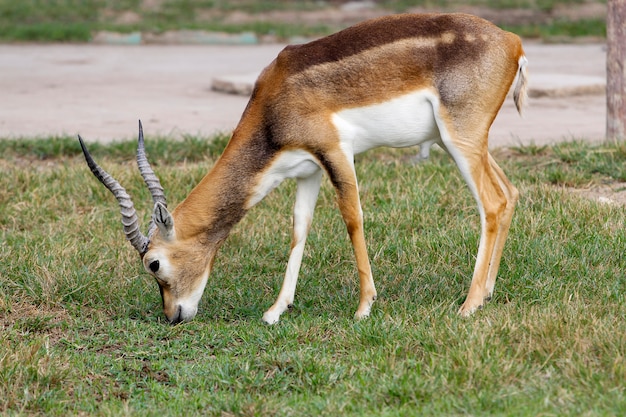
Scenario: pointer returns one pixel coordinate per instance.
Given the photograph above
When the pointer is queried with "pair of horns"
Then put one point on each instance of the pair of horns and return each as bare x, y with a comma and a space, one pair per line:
130, 221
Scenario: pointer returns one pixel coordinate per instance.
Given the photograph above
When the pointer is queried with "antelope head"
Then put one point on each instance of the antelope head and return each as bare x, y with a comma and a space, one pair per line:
179, 263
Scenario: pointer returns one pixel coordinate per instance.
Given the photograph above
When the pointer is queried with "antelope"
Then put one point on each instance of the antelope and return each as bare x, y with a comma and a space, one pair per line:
396, 81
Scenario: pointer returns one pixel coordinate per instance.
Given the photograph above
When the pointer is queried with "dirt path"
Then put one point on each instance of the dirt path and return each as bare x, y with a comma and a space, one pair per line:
100, 91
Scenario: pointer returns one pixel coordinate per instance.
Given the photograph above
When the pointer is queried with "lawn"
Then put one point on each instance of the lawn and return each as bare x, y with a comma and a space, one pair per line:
282, 20
82, 332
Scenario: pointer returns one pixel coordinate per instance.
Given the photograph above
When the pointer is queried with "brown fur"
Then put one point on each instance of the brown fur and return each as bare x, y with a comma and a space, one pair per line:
468, 63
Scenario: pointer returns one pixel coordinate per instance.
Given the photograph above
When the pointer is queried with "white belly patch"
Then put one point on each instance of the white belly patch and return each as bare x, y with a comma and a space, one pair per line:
403, 121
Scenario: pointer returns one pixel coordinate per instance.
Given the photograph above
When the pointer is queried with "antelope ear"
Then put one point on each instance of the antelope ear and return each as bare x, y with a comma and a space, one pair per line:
164, 221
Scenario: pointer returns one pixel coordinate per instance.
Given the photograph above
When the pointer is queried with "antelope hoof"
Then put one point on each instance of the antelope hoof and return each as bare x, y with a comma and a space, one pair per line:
359, 315
271, 316
364, 310
468, 308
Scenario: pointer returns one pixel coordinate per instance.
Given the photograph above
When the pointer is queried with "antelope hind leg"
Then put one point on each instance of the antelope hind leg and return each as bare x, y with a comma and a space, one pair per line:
496, 211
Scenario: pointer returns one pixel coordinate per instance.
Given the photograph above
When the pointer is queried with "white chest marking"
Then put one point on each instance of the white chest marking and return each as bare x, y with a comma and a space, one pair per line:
290, 164
403, 121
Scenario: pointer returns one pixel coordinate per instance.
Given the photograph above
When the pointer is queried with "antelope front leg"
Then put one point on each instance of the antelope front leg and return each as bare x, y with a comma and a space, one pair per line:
344, 179
366, 281
306, 197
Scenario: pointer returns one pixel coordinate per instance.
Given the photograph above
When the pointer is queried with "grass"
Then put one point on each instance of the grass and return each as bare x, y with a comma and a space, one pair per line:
559, 29
78, 21
83, 332
547, 5
190, 148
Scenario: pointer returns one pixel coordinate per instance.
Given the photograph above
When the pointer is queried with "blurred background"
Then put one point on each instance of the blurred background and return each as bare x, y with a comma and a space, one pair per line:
277, 20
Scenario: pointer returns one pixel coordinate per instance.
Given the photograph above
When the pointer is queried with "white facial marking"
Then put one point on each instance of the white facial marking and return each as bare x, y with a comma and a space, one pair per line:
165, 268
189, 304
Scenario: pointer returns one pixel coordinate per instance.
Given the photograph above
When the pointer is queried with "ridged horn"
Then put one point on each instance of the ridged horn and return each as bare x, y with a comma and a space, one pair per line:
149, 177
130, 221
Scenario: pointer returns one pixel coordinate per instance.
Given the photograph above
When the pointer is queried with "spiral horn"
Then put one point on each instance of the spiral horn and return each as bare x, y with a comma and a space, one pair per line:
148, 175
130, 221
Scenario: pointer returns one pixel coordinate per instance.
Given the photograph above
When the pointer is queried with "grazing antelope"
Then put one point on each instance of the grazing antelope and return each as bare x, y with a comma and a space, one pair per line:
396, 81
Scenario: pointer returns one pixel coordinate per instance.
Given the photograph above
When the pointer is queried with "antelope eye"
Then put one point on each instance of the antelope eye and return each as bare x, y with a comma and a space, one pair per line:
154, 266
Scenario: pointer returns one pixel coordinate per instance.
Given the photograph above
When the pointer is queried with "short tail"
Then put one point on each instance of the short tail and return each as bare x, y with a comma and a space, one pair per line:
519, 94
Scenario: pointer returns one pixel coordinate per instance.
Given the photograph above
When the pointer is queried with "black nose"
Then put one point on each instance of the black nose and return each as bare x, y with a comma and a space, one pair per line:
176, 318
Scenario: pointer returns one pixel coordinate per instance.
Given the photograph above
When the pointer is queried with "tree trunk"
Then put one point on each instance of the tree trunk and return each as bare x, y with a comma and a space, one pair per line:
616, 70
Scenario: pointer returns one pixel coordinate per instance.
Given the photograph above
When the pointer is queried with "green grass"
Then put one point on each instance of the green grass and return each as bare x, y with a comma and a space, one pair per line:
83, 332
189, 148
560, 29
403, 5
78, 21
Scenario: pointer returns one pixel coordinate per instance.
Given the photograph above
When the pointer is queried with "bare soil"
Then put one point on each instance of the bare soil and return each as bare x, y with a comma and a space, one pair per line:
613, 193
